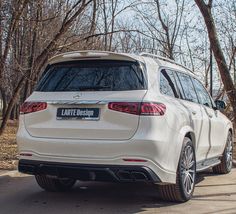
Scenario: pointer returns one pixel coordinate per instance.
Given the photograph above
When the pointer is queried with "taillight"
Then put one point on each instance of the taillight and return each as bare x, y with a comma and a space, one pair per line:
29, 107
126, 107
145, 108
155, 109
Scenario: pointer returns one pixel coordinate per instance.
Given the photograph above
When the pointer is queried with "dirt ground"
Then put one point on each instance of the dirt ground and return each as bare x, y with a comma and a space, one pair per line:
8, 148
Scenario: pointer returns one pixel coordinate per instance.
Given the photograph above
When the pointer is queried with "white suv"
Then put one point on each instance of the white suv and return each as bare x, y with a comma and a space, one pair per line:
106, 116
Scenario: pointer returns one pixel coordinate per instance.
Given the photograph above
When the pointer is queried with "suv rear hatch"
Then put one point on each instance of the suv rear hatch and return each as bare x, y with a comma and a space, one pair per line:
77, 96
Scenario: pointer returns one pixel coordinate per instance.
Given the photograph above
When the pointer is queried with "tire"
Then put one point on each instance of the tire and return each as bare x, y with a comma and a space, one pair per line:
182, 191
227, 158
51, 184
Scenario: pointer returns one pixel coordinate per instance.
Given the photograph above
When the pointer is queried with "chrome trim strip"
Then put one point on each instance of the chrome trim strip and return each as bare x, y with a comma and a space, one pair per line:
76, 102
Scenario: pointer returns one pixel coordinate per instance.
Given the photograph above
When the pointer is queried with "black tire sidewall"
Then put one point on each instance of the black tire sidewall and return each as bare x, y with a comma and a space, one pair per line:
53, 184
65, 186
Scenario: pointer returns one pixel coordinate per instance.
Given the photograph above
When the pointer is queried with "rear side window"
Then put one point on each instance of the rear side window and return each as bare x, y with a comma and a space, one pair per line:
188, 88
168, 84
203, 96
93, 75
179, 86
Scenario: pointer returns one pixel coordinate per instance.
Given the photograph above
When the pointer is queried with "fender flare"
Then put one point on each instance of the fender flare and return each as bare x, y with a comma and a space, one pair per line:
184, 131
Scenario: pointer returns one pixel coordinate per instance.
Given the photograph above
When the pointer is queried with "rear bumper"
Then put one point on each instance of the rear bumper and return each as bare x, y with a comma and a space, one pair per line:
91, 172
157, 150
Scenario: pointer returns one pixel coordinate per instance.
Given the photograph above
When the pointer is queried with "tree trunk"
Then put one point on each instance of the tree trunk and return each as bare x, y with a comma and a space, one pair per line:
4, 101
40, 60
17, 111
13, 113
11, 104
218, 53
26, 90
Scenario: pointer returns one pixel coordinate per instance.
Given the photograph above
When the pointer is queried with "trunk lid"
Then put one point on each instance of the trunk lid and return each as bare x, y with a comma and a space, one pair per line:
77, 95
111, 125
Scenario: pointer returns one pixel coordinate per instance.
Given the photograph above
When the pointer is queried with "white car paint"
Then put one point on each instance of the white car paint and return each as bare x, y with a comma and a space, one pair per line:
116, 135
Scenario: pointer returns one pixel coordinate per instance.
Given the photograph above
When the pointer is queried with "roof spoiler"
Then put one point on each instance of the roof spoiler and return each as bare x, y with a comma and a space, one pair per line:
90, 55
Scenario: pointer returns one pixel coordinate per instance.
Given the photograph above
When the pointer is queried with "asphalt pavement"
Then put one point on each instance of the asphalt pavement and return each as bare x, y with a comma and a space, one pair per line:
20, 194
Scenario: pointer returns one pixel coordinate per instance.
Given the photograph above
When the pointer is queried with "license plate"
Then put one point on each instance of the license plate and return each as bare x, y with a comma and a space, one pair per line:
78, 114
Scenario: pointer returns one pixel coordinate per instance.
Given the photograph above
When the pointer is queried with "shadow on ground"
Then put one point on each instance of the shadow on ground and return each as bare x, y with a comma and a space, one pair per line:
22, 195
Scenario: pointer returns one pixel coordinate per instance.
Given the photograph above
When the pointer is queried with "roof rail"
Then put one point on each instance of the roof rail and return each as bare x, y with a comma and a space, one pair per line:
164, 59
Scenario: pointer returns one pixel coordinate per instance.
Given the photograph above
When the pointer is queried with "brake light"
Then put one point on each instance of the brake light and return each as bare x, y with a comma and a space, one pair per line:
30, 107
126, 107
145, 108
155, 109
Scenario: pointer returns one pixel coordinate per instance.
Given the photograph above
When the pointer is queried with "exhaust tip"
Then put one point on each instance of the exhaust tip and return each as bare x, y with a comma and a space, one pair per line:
124, 175
139, 176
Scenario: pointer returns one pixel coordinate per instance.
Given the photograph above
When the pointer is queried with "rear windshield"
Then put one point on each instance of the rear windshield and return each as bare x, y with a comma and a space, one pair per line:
93, 76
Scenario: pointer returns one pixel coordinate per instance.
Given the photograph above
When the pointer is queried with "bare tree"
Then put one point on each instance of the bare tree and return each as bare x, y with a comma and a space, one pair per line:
110, 11
164, 26
206, 11
32, 31
36, 64
171, 34
17, 10
7, 29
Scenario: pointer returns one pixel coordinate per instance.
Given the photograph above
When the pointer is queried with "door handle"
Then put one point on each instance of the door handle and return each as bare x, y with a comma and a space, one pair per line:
194, 112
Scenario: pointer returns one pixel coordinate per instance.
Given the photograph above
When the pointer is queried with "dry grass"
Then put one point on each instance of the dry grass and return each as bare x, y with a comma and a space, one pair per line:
8, 147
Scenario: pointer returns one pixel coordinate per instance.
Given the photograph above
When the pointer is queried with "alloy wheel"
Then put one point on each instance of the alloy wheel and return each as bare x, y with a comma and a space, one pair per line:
188, 169
229, 152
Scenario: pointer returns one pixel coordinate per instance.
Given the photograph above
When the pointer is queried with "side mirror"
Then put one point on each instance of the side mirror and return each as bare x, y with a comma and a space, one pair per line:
220, 105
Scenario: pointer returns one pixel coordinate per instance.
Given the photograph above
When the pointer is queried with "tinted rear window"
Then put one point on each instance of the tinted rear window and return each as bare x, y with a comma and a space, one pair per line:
93, 76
